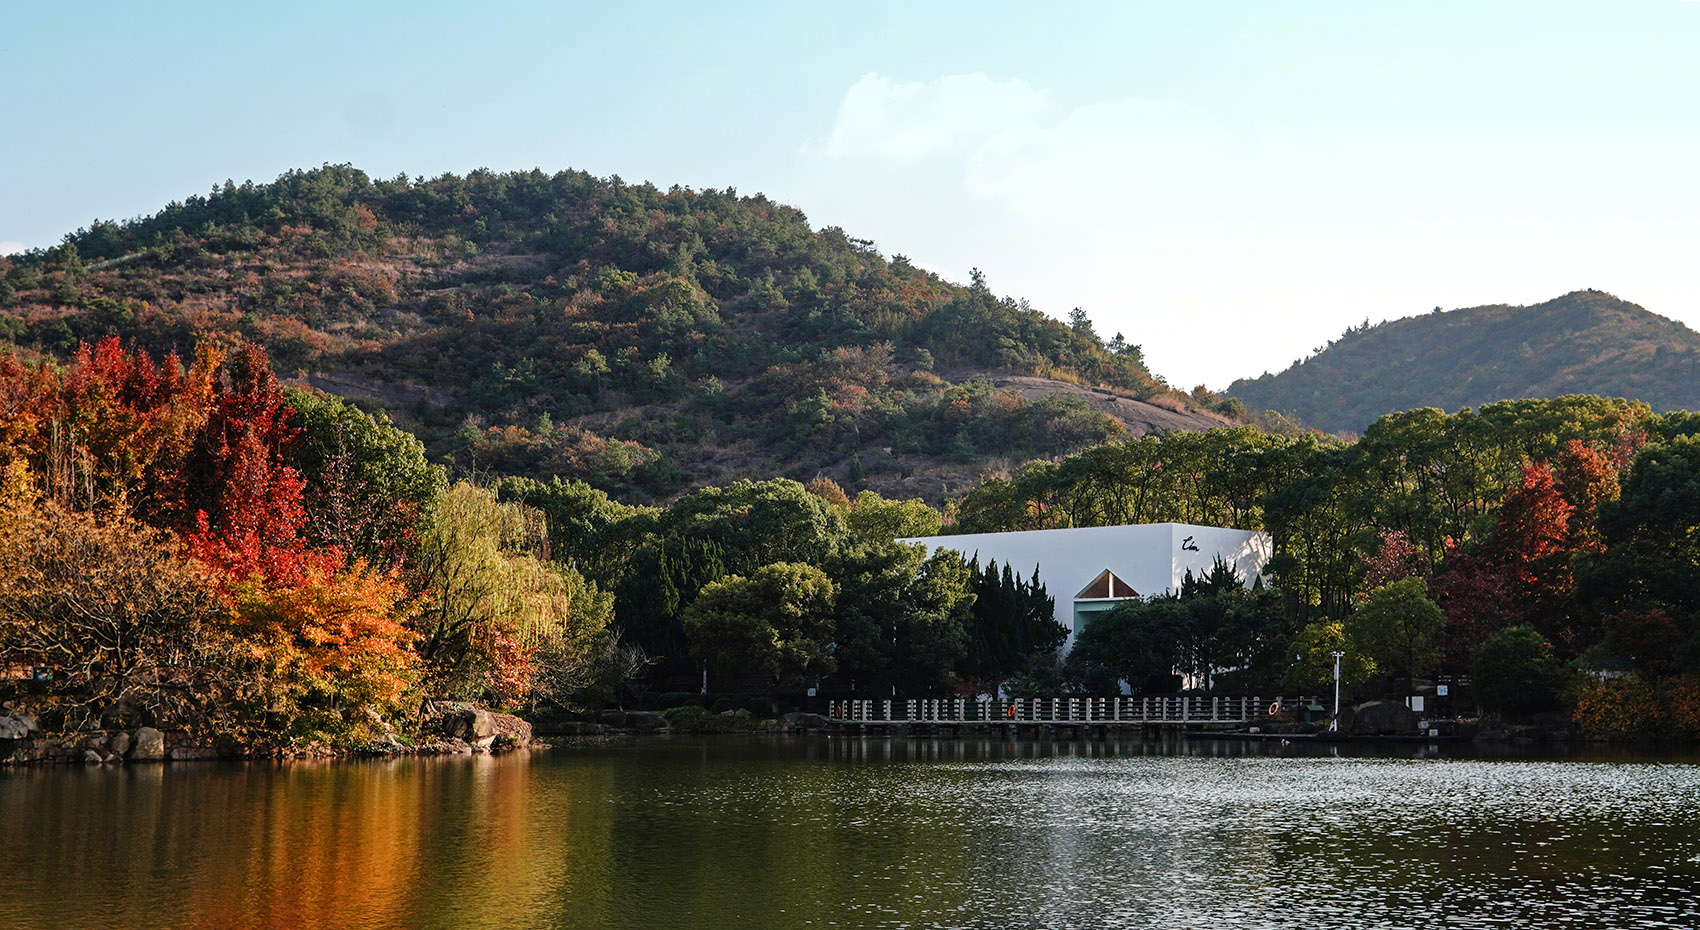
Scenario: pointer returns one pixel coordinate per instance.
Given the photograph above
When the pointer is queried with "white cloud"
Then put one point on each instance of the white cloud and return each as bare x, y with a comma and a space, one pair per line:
1104, 153
12, 248
908, 122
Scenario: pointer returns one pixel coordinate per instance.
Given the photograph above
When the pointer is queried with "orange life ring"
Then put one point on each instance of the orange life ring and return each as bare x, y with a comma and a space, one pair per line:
1274, 708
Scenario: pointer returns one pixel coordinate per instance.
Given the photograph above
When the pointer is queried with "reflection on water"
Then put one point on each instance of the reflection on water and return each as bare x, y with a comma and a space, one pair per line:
849, 832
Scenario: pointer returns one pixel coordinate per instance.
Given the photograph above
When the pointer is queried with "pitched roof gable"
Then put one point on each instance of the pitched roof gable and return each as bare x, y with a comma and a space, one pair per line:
1105, 587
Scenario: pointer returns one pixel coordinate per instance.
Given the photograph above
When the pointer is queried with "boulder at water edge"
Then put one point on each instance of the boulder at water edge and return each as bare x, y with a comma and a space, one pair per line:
469, 723
148, 745
1378, 718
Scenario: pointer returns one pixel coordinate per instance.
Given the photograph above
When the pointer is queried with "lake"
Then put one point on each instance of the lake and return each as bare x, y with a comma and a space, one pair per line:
832, 831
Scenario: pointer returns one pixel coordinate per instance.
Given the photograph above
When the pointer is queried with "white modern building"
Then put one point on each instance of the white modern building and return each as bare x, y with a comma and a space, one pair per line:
1092, 569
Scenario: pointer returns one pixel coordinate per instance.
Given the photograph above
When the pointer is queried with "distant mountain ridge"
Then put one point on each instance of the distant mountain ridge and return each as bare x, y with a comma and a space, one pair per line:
1585, 342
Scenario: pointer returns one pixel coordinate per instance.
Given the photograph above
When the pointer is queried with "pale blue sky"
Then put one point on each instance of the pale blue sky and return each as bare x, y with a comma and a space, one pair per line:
1228, 184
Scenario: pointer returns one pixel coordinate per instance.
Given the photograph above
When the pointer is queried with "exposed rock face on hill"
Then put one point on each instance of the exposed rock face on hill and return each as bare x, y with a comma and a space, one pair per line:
1138, 417
1586, 342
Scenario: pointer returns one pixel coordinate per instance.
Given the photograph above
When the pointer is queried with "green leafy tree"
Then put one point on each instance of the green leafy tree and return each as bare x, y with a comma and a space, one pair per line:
1398, 627
776, 623
1515, 673
902, 615
1313, 651
1140, 642
587, 529
1651, 535
368, 483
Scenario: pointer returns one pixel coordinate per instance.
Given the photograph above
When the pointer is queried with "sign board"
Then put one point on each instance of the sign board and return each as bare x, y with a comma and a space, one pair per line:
1416, 703
1442, 690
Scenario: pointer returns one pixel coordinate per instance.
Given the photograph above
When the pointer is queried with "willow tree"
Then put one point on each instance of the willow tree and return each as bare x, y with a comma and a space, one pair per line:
498, 613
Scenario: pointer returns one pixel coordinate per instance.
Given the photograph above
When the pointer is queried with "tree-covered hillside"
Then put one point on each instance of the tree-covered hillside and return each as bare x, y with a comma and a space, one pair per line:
646, 340
1586, 342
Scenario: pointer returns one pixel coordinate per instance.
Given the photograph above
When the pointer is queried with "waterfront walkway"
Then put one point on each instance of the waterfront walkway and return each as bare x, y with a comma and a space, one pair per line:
1177, 710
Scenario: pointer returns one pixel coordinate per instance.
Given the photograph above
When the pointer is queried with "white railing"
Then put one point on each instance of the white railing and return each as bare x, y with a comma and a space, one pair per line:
1173, 709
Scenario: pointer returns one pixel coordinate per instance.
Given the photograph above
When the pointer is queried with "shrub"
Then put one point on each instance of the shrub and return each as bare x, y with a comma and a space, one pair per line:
1622, 709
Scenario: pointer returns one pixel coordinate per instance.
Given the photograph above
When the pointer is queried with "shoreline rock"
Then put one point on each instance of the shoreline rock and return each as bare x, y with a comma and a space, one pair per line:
461, 729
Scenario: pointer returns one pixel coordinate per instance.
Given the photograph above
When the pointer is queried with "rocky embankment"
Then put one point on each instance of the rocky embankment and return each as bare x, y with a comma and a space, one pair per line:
22, 742
449, 728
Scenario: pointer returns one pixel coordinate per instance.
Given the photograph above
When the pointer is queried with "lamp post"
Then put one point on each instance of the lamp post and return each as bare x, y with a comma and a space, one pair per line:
1336, 654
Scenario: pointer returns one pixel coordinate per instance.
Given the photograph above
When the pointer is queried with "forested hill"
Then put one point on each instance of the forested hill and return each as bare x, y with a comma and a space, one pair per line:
647, 340
1586, 342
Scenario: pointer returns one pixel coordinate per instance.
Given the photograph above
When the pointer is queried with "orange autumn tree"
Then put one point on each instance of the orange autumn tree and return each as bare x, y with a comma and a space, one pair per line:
1532, 541
110, 427
203, 452
326, 640
331, 653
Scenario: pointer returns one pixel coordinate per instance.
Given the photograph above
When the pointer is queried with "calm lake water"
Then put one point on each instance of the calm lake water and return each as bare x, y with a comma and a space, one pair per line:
845, 832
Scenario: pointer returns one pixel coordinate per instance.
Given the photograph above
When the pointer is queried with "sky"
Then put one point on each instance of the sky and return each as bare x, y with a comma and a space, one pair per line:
1229, 185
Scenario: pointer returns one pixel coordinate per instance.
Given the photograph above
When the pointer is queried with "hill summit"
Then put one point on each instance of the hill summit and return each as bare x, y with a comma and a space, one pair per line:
1585, 342
646, 340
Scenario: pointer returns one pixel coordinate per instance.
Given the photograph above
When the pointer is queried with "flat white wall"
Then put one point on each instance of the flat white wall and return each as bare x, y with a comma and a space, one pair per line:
1152, 557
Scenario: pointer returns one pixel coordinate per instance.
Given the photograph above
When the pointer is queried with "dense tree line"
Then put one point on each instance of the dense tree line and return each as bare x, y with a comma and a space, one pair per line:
196, 545
1523, 543
190, 543
804, 583
189, 539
